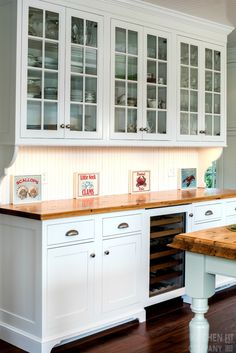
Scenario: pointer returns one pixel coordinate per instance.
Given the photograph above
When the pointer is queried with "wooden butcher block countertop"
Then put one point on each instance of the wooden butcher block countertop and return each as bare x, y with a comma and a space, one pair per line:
220, 242
112, 203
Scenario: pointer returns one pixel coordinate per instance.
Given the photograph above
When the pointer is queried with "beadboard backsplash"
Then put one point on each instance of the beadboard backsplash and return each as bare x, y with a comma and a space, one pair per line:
57, 164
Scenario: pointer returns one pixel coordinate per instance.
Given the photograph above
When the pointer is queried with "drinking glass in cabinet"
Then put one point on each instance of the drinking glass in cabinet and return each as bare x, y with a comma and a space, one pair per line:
90, 118
50, 116
184, 53
208, 103
34, 53
193, 55
120, 120
50, 85
51, 56
77, 59
132, 94
184, 100
184, 82
208, 59
161, 122
193, 124
162, 73
34, 84
193, 78
90, 61
151, 46
91, 33
193, 101
151, 121
77, 30
120, 66
208, 80
184, 124
151, 71
90, 90
208, 125
120, 96
132, 68
217, 125
76, 117
76, 90
132, 120
132, 42
162, 98
35, 24
120, 40
51, 25
34, 112
151, 96
162, 48
217, 77
217, 60
216, 103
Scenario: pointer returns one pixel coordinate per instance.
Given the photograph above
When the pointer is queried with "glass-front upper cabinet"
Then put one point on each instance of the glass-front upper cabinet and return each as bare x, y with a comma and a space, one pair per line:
83, 75
42, 70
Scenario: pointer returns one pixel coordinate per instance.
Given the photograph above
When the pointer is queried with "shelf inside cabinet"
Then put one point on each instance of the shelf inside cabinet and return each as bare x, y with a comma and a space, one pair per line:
167, 232
167, 264
157, 255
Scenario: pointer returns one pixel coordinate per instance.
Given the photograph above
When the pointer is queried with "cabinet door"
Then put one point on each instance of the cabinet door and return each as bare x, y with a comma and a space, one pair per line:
120, 272
83, 75
126, 82
42, 70
70, 280
156, 123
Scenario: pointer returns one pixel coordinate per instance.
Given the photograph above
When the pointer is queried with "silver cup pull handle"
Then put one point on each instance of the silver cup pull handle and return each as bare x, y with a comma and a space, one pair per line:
72, 233
209, 213
123, 225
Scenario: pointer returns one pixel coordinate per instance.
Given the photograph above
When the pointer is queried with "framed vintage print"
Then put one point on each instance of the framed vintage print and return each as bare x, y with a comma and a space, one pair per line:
188, 178
139, 180
86, 184
26, 188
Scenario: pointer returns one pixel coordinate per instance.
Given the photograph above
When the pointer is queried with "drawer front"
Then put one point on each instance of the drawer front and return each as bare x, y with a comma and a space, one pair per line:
121, 224
230, 208
70, 232
205, 213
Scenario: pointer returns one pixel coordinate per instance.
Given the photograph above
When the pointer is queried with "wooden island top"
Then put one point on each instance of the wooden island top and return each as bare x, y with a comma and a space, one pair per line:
113, 203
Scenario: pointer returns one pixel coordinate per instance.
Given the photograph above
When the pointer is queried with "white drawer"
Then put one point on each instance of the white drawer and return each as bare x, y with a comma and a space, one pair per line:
121, 224
230, 208
208, 212
70, 232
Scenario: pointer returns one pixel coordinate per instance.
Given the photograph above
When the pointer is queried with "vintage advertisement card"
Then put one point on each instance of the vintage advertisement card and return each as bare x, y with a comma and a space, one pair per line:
26, 188
86, 184
139, 181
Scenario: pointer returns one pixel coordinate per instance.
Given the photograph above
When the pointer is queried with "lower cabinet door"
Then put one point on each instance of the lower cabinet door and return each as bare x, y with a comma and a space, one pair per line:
70, 287
121, 273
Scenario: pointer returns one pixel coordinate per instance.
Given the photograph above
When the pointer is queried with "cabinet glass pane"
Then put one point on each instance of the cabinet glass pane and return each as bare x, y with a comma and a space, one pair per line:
120, 66
151, 71
217, 77
193, 124
120, 93
162, 98
34, 84
151, 46
151, 97
50, 116
132, 68
120, 40
76, 117
91, 61
208, 59
216, 125
217, 60
151, 122
184, 82
193, 55
120, 120
208, 103
51, 56
77, 59
35, 53
162, 48
91, 33
184, 53
161, 123
76, 93
132, 42
77, 30
162, 73
35, 26
184, 124
193, 78
52, 25
216, 103
90, 118
184, 100
34, 115
132, 95
208, 125
193, 101
50, 85
132, 120
208, 80
90, 90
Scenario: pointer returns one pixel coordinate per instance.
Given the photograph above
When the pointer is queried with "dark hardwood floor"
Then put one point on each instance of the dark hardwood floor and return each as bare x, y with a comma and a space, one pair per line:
166, 333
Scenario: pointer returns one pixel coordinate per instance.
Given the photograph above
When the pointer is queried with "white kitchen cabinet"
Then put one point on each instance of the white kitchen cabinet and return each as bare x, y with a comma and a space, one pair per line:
201, 91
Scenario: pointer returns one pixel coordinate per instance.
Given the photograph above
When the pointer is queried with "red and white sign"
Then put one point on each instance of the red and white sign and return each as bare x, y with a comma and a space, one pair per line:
139, 181
86, 184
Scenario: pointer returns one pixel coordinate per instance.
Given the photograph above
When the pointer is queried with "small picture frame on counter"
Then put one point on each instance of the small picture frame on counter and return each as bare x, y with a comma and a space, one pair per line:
187, 178
86, 185
26, 188
139, 181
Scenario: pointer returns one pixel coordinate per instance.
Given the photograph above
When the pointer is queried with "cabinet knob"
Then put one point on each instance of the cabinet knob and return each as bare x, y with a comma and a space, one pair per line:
62, 126
190, 214
145, 129
107, 252
72, 233
92, 255
202, 132
123, 225
67, 126
209, 213
141, 129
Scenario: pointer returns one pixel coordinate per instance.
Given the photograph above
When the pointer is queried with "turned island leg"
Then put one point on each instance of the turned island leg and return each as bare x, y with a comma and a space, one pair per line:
199, 327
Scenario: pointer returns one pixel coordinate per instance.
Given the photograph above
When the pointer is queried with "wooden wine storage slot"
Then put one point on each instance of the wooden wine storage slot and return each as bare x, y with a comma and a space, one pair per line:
162, 290
165, 221
163, 233
167, 264
164, 253
166, 276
